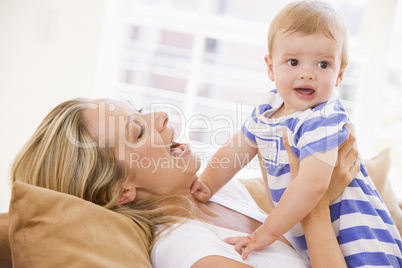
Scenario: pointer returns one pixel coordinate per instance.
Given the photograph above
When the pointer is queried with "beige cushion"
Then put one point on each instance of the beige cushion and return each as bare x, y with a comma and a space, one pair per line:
51, 229
256, 189
5, 251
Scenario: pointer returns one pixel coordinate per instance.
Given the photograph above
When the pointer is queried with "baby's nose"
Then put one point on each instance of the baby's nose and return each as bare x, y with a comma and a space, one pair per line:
307, 75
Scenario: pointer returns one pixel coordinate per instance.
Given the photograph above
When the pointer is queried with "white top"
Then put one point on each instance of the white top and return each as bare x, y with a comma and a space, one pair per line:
193, 240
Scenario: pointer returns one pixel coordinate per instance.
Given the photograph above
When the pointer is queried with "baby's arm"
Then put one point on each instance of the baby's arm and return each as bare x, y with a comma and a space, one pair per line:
225, 163
302, 194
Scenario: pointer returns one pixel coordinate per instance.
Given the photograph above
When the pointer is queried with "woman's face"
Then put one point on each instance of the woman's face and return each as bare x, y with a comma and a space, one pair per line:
144, 143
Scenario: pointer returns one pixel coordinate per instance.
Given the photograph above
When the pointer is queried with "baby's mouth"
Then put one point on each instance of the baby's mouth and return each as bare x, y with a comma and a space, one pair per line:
305, 91
177, 149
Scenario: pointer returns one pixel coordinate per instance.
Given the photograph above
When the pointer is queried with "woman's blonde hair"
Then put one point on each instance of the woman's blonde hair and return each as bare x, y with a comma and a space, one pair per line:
62, 156
308, 17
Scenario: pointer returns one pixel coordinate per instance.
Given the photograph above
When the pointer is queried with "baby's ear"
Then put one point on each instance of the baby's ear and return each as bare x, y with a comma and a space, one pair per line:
270, 67
339, 78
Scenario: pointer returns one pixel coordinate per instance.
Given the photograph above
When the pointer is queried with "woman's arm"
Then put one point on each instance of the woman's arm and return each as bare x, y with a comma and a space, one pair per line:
321, 240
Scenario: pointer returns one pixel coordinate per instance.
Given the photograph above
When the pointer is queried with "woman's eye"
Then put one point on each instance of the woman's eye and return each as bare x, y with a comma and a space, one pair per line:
323, 65
293, 62
141, 133
136, 125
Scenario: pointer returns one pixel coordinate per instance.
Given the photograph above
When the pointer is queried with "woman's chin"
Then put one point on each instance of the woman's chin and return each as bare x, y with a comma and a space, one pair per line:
188, 162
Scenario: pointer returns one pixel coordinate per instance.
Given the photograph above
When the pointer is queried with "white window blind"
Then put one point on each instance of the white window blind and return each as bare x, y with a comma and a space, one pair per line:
203, 63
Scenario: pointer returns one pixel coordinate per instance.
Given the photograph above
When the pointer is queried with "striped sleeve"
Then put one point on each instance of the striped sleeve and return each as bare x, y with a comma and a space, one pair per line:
323, 130
251, 126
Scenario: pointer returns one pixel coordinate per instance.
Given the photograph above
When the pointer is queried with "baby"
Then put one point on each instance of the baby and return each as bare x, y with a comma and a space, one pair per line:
307, 45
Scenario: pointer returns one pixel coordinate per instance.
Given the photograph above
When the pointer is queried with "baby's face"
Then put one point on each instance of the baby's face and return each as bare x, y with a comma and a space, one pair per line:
305, 68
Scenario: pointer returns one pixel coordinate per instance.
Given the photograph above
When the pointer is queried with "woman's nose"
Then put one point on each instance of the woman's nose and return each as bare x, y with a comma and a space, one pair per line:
160, 120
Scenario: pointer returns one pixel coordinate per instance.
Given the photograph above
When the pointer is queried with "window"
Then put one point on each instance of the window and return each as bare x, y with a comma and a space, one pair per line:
203, 63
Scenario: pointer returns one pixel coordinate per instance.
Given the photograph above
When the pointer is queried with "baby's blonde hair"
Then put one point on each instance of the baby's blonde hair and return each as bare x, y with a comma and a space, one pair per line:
62, 156
308, 17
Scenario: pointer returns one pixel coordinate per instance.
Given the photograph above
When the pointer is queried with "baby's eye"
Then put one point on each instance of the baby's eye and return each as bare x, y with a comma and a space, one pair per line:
323, 64
293, 62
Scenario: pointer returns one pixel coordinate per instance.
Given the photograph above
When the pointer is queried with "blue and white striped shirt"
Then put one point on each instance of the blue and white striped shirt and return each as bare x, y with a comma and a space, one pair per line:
366, 232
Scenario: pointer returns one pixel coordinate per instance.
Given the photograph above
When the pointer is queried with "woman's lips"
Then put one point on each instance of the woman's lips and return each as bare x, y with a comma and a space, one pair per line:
305, 93
179, 149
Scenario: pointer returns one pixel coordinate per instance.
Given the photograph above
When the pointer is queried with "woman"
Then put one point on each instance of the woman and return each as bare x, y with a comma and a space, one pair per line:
109, 153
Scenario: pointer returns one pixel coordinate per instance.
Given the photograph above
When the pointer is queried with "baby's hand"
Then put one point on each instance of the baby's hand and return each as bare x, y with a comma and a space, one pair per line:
258, 240
200, 191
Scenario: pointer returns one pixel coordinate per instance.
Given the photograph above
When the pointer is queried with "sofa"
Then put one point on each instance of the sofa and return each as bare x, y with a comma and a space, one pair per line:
44, 228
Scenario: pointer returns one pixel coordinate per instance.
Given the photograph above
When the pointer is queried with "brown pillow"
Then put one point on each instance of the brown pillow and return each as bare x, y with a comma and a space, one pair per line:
256, 189
5, 251
52, 229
